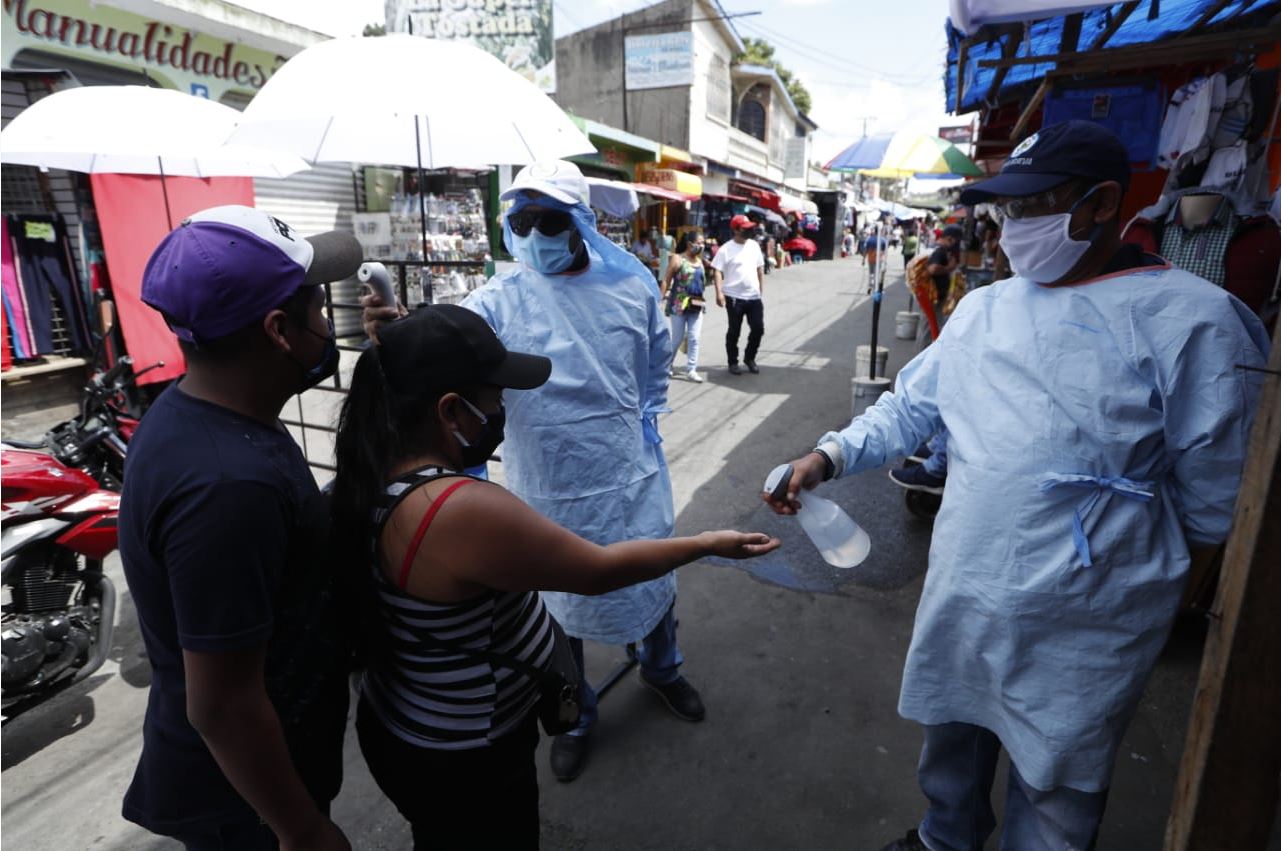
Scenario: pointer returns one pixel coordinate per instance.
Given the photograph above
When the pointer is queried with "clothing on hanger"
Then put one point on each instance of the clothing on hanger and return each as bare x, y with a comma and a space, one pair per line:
15, 304
46, 271
1199, 249
1186, 129
1226, 167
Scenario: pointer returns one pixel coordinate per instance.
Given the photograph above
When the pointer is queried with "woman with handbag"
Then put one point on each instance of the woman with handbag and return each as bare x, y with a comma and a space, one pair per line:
682, 293
461, 655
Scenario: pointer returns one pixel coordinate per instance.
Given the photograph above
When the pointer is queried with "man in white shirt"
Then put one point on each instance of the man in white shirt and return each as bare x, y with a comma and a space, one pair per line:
739, 276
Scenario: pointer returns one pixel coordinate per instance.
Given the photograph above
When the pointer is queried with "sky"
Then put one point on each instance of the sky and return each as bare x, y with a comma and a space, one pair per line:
860, 59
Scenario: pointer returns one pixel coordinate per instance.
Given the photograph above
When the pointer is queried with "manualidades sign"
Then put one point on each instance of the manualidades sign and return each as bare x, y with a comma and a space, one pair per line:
98, 33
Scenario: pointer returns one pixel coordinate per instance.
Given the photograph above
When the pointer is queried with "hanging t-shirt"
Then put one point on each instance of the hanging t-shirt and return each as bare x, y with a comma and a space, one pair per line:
738, 265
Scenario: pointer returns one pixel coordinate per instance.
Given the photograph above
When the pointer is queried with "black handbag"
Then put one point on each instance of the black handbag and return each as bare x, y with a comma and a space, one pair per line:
559, 703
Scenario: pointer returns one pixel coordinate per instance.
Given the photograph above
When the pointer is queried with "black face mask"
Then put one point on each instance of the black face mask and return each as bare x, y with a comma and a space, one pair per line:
328, 363
476, 454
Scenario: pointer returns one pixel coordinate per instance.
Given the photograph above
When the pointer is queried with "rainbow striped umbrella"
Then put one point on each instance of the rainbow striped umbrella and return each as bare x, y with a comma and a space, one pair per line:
909, 155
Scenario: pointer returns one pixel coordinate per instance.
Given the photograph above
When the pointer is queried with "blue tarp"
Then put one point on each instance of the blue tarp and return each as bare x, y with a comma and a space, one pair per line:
1175, 17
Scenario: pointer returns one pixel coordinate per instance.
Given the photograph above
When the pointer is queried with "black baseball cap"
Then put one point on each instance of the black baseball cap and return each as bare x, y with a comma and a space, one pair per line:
446, 346
955, 231
1052, 156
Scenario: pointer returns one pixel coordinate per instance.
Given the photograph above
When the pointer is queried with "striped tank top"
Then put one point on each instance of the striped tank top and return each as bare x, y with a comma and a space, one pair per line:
434, 697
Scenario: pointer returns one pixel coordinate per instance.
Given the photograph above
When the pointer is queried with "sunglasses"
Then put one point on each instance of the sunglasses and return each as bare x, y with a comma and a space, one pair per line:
549, 222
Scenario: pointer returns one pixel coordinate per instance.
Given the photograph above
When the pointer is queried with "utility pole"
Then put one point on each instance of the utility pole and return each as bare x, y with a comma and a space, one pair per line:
623, 48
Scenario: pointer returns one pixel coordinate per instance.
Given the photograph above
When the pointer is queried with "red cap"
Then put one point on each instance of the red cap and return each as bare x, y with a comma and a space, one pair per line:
742, 222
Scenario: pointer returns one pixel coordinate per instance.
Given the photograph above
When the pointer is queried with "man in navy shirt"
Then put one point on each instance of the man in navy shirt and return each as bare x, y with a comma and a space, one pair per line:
223, 536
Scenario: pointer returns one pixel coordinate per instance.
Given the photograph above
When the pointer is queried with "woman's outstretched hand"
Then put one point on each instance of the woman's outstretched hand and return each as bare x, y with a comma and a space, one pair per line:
728, 543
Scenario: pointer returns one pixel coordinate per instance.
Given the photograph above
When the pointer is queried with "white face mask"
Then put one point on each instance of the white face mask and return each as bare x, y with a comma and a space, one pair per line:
1041, 248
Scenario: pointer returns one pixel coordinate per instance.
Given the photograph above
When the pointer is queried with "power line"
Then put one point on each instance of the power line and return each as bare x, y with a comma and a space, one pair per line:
797, 44
788, 41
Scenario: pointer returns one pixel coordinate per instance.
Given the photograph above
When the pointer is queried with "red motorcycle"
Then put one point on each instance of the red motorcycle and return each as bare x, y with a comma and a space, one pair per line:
58, 510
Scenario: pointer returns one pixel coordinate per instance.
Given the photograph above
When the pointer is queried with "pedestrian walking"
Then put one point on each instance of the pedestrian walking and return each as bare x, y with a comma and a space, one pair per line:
910, 246
739, 278
459, 640
683, 301
1097, 407
223, 534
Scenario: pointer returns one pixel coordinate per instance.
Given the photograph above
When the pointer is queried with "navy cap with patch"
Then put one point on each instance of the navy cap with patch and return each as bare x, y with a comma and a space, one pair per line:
1054, 155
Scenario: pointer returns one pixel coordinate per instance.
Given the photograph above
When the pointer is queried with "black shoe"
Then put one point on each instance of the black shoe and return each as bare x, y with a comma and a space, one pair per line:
734, 369
920, 454
910, 842
680, 697
752, 366
569, 755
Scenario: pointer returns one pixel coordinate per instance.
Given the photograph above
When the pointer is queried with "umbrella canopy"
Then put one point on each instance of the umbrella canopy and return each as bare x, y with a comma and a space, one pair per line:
136, 130
913, 155
868, 152
406, 100
615, 197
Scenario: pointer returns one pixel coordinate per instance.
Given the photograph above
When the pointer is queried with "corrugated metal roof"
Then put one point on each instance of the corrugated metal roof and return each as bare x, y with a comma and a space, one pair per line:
1175, 17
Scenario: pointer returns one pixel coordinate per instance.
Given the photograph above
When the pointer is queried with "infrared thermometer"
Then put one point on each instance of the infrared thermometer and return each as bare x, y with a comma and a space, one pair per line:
376, 277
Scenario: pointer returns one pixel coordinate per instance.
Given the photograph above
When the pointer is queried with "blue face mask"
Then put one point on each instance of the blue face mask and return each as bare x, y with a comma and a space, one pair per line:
547, 254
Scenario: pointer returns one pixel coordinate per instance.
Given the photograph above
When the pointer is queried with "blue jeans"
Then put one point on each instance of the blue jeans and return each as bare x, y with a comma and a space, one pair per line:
937, 463
956, 771
660, 661
686, 326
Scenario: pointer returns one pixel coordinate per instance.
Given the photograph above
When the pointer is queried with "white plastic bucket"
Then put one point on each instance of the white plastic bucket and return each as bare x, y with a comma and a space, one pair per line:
861, 361
906, 325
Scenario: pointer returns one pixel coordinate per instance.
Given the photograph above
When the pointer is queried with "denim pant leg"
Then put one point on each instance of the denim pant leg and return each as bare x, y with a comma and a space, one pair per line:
677, 330
937, 463
694, 325
956, 775
1062, 819
659, 655
587, 695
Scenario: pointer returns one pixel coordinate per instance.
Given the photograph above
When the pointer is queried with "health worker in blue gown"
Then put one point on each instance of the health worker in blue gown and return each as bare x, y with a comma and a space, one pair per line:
584, 449
1097, 406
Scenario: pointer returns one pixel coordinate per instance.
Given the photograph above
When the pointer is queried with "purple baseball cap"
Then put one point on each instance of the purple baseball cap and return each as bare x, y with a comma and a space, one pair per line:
226, 267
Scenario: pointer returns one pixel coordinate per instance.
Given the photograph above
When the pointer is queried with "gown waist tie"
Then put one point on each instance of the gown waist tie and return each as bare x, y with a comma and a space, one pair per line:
1130, 488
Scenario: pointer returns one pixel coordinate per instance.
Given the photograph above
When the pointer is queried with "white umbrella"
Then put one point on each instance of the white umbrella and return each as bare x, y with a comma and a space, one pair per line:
409, 101
136, 130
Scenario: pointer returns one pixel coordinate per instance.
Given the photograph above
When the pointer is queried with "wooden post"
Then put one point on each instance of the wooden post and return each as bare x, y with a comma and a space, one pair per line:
1027, 115
1226, 796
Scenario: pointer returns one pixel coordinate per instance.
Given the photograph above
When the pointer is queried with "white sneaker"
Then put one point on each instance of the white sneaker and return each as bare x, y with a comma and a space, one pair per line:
694, 376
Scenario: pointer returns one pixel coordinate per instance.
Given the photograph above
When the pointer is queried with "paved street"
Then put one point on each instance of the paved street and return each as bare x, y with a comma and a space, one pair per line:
799, 664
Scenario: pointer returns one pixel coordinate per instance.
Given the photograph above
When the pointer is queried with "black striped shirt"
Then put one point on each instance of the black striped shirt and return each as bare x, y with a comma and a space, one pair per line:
435, 697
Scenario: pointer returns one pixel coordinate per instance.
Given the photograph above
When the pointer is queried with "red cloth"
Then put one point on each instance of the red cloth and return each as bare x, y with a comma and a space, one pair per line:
131, 214
802, 245
1250, 261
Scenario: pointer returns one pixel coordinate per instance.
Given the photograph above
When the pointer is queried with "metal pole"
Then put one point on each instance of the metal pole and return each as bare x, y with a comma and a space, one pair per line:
876, 300
422, 195
623, 72
164, 191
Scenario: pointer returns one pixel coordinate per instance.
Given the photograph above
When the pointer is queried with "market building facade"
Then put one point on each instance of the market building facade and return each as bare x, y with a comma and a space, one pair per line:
667, 73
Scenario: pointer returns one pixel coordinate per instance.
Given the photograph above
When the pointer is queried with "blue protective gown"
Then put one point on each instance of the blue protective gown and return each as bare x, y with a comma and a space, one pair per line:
583, 449
1095, 432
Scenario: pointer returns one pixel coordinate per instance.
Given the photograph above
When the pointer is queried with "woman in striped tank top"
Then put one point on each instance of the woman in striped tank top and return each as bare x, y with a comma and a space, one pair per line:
453, 564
